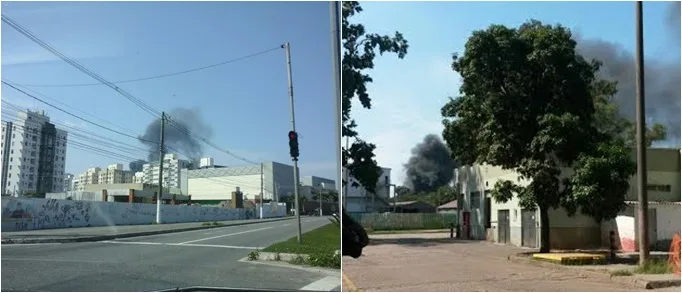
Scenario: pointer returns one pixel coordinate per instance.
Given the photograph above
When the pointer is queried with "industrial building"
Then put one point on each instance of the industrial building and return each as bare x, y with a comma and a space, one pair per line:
356, 199
484, 218
33, 155
215, 184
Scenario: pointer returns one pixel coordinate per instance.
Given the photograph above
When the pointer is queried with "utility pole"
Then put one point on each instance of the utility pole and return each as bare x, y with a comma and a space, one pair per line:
336, 65
287, 48
160, 194
261, 190
641, 144
320, 196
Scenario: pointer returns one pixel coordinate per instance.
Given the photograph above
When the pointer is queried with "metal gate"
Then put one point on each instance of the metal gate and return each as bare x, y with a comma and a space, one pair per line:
503, 226
528, 229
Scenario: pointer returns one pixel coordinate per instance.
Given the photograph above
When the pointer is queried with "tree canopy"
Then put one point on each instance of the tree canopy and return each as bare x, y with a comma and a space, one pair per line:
529, 103
359, 50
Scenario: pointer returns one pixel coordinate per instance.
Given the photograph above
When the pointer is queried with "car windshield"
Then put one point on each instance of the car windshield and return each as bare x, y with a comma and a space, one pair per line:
144, 148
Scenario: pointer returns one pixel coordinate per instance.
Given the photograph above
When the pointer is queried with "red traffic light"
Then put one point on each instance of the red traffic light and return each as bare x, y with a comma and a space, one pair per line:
293, 135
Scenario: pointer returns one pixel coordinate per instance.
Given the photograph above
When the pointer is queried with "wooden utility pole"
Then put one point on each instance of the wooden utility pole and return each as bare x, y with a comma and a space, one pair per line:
641, 144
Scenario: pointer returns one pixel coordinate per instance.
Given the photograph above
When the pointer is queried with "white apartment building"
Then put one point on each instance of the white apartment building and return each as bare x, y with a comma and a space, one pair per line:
138, 177
171, 171
68, 182
33, 155
356, 199
115, 174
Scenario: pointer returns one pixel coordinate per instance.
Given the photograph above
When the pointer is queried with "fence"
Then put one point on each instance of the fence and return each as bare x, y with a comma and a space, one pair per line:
20, 214
409, 221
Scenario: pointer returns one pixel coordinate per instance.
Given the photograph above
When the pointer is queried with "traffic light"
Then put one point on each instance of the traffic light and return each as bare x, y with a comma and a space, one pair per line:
293, 145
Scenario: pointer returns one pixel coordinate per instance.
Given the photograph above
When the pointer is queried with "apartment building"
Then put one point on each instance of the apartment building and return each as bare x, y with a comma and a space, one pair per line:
138, 177
113, 174
171, 171
68, 182
33, 155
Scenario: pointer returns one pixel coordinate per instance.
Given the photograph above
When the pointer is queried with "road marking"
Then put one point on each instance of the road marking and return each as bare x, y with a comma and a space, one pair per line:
183, 244
226, 235
28, 244
285, 225
348, 284
56, 260
324, 284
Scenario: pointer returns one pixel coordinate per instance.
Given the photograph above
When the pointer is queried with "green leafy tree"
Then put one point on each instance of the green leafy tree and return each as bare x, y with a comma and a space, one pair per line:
360, 49
528, 104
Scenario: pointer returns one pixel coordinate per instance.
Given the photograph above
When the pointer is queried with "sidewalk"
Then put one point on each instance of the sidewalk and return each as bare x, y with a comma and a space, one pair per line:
438, 263
84, 234
641, 281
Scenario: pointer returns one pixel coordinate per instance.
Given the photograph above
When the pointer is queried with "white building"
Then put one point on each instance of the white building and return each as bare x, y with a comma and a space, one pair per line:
33, 155
356, 199
89, 177
68, 182
138, 177
115, 174
171, 171
213, 185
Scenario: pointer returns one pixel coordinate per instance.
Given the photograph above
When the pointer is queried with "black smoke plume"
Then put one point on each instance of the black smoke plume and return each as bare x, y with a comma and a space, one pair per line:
430, 166
176, 136
662, 78
136, 166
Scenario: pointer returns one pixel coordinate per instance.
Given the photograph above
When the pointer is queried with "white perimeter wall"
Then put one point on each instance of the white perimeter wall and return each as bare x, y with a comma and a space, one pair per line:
20, 214
273, 209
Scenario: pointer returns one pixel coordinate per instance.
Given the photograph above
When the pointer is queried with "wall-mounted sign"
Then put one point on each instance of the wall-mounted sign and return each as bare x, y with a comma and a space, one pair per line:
659, 187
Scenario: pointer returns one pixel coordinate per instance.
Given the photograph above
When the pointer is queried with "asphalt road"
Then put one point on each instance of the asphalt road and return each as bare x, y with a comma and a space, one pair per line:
195, 258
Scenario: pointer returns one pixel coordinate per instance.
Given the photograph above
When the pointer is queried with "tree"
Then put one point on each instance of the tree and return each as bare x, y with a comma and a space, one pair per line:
360, 49
528, 104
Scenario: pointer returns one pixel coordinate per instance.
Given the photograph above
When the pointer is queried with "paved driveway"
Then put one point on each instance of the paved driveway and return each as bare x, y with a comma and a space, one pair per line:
431, 262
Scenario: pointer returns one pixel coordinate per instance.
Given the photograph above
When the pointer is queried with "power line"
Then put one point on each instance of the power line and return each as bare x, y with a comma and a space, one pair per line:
73, 115
130, 97
67, 106
78, 66
73, 129
161, 75
80, 145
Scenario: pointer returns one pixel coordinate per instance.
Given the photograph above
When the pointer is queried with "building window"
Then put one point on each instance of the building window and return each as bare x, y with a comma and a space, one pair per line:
475, 200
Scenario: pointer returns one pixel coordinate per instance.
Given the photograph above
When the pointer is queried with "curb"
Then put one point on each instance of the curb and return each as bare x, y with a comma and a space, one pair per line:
624, 280
127, 235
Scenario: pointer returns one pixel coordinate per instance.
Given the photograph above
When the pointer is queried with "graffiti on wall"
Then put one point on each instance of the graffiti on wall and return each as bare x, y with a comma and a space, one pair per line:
20, 214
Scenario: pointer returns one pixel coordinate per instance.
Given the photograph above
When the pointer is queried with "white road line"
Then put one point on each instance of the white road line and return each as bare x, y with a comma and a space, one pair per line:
324, 284
285, 225
218, 246
56, 260
182, 244
226, 235
28, 244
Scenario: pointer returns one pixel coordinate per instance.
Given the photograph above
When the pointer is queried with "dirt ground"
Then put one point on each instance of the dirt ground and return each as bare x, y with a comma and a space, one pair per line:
431, 262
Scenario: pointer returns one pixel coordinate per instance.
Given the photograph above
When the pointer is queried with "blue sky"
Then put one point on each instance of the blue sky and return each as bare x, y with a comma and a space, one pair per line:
407, 94
246, 102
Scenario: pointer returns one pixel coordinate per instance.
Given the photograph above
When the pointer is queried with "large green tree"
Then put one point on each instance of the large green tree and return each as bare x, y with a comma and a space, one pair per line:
359, 50
527, 104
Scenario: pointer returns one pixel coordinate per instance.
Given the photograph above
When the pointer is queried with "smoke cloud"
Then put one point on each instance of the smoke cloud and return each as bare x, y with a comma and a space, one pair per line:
430, 166
662, 78
176, 138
